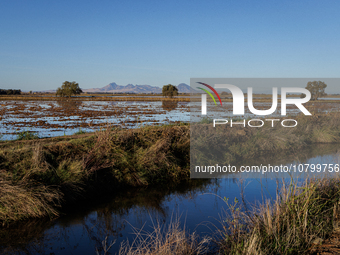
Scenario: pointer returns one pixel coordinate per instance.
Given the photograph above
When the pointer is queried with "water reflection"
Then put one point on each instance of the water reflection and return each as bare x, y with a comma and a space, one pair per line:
169, 105
69, 104
83, 228
65, 117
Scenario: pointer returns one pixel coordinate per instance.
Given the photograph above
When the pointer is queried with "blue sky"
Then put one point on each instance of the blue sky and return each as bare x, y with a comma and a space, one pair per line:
44, 43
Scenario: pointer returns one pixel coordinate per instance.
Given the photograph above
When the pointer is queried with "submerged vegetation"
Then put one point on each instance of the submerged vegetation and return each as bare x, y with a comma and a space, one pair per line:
80, 132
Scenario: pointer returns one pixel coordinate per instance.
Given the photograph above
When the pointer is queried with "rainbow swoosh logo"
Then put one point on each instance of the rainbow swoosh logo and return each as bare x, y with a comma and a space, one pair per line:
208, 92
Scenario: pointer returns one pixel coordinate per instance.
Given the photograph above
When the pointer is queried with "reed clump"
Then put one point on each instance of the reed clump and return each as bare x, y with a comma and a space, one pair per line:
165, 240
299, 215
25, 198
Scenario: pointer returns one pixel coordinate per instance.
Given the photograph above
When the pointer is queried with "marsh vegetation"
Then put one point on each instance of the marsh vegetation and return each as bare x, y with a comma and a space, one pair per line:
41, 178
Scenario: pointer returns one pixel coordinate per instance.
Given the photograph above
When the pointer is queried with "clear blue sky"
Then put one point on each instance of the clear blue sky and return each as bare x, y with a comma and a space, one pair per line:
44, 43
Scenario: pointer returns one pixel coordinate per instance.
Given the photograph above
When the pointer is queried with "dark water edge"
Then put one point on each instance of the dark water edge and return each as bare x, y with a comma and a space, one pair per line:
84, 226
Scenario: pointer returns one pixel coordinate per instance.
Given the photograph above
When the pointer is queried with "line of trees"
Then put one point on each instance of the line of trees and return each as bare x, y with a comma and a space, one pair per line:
10, 91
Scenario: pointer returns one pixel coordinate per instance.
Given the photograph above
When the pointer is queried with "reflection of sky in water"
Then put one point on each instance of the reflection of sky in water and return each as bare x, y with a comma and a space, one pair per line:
309, 168
140, 111
145, 113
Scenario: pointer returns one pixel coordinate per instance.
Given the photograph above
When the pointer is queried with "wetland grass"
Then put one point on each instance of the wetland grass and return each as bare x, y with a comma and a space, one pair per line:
165, 240
80, 132
39, 176
301, 216
27, 135
296, 221
53, 172
240, 144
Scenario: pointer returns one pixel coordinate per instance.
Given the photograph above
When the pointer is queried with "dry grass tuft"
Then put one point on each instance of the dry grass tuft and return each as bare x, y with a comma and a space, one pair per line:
165, 241
26, 199
288, 225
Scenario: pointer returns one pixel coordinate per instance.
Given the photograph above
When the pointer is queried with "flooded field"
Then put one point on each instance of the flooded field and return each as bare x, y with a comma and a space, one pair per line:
57, 118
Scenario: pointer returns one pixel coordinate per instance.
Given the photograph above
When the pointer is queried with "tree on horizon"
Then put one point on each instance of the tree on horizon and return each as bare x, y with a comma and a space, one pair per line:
68, 89
317, 89
169, 91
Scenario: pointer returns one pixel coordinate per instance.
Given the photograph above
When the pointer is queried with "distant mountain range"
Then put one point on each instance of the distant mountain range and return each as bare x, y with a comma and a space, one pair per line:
130, 88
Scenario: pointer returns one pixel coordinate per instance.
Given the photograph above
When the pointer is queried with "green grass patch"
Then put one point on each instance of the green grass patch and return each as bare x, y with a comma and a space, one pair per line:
80, 132
27, 135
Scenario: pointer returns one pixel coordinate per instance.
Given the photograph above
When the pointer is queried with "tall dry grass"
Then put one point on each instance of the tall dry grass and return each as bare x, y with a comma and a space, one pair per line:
36, 177
50, 172
165, 240
299, 215
26, 198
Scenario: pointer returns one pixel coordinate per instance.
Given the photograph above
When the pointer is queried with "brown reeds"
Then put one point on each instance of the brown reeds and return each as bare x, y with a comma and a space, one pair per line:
165, 240
299, 215
25, 198
39, 175
66, 168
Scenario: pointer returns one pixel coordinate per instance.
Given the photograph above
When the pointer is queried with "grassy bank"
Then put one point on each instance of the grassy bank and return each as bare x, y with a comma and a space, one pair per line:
38, 177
